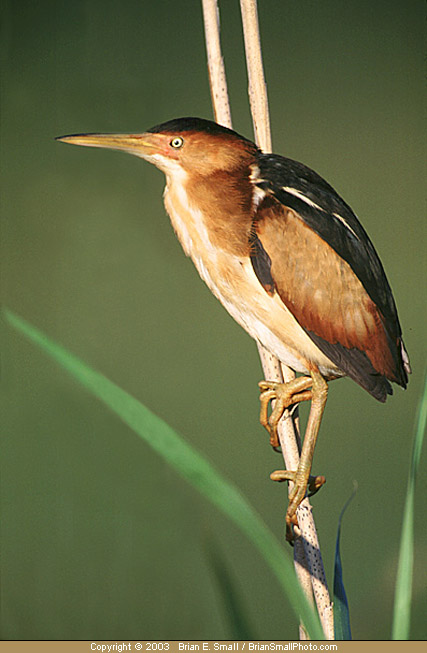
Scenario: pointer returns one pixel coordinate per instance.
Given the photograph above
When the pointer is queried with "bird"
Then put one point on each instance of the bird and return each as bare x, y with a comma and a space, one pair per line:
288, 259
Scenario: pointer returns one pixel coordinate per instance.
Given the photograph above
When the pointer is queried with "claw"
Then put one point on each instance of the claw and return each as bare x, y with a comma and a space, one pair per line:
297, 494
283, 395
314, 484
314, 388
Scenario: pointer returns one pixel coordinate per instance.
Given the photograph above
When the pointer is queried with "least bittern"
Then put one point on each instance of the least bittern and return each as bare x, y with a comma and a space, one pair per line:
288, 259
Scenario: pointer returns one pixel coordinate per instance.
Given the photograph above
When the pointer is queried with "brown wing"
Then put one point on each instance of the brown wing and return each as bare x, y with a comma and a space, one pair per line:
325, 296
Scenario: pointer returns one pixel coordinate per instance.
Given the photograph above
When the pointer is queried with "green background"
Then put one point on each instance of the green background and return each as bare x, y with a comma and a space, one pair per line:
99, 538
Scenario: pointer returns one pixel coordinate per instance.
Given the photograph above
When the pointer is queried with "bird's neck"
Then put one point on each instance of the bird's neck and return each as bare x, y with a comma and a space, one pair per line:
216, 209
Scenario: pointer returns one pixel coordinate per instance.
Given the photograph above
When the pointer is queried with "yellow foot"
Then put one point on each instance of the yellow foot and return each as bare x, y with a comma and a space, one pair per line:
302, 483
283, 395
314, 482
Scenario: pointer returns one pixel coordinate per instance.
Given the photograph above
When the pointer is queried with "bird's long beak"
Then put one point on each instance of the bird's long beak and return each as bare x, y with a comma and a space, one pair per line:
142, 145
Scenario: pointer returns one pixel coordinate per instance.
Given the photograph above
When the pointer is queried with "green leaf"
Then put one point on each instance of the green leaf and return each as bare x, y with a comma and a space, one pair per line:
188, 463
403, 591
232, 602
342, 628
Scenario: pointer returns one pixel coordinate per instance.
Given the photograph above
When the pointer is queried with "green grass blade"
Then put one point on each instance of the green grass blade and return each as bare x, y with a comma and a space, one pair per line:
231, 601
342, 630
403, 591
187, 462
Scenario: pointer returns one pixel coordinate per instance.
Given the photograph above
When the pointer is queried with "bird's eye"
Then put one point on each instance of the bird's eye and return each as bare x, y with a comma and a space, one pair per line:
177, 142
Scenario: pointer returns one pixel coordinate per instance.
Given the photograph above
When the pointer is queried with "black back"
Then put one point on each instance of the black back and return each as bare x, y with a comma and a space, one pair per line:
351, 244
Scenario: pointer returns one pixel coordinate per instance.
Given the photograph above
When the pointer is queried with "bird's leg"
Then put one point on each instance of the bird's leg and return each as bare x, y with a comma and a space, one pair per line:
283, 395
302, 476
314, 482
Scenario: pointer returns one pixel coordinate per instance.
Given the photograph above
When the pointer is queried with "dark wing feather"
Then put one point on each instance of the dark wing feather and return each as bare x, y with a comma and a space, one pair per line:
352, 244
261, 263
368, 354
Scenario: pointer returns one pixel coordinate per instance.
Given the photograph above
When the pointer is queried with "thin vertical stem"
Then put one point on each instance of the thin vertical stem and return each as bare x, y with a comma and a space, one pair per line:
257, 88
216, 68
307, 558
288, 435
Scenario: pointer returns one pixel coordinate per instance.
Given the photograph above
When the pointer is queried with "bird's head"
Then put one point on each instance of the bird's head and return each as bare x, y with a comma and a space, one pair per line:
189, 145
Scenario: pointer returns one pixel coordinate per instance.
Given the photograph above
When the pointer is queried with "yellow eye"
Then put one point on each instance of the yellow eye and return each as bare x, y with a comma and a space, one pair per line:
177, 142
